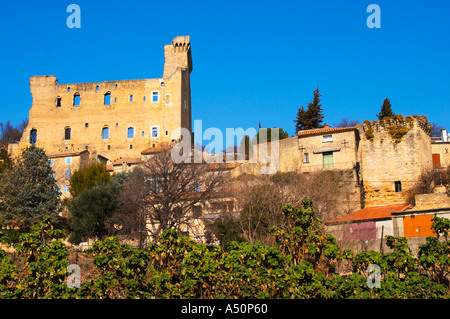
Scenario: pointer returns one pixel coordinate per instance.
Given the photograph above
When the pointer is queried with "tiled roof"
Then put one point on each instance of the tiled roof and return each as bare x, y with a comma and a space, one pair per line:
129, 160
321, 131
371, 213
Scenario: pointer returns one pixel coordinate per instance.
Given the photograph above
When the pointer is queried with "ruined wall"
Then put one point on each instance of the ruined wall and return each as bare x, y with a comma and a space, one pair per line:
393, 150
146, 105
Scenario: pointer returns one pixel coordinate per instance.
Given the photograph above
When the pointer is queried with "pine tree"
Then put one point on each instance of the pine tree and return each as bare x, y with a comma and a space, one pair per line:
312, 117
386, 110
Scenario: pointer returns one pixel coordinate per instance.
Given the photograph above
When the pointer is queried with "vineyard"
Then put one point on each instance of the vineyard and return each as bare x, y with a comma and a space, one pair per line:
302, 265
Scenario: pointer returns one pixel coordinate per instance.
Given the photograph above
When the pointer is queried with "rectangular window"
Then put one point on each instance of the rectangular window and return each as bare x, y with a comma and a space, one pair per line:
306, 158
130, 132
154, 132
327, 138
51, 162
86, 124
328, 162
54, 175
398, 186
68, 160
58, 101
59, 189
68, 173
131, 98
155, 97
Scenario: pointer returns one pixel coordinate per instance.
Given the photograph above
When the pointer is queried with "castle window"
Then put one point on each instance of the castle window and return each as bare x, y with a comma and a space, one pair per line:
68, 173
58, 101
76, 99
116, 86
107, 99
51, 162
109, 147
327, 138
86, 124
143, 133
131, 98
154, 131
398, 186
131, 146
97, 88
115, 100
68, 160
130, 132
162, 84
33, 136
67, 133
105, 133
167, 132
68, 89
144, 98
155, 97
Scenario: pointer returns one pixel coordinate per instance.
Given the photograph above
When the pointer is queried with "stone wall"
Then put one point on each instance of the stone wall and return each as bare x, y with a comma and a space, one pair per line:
393, 150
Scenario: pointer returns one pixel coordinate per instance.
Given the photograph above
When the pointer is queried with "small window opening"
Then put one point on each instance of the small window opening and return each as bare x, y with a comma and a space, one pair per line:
97, 88
131, 98
67, 133
58, 101
154, 132
107, 99
398, 186
33, 136
68, 89
105, 133
76, 99
155, 96
86, 124
130, 132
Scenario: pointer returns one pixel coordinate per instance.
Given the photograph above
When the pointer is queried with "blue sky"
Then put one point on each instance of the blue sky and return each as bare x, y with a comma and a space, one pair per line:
254, 61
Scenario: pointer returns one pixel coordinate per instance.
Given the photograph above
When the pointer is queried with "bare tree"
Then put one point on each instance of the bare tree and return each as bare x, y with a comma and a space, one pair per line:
166, 192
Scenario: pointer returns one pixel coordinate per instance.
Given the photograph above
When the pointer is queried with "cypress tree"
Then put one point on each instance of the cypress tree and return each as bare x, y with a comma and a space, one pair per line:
312, 117
386, 110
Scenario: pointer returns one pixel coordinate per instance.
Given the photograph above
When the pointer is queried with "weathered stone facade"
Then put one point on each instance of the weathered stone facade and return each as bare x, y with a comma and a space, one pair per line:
118, 119
393, 154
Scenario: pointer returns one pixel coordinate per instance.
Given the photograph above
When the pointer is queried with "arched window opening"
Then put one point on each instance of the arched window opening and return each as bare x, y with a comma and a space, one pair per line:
107, 99
105, 133
76, 99
67, 133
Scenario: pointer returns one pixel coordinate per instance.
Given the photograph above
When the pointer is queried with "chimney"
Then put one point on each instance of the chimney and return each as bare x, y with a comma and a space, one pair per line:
326, 125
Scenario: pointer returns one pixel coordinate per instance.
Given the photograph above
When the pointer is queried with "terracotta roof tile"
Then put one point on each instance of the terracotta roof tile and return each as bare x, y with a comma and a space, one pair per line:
320, 131
372, 213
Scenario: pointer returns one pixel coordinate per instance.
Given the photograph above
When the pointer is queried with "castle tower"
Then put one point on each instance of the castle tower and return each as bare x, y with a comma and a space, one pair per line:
393, 154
